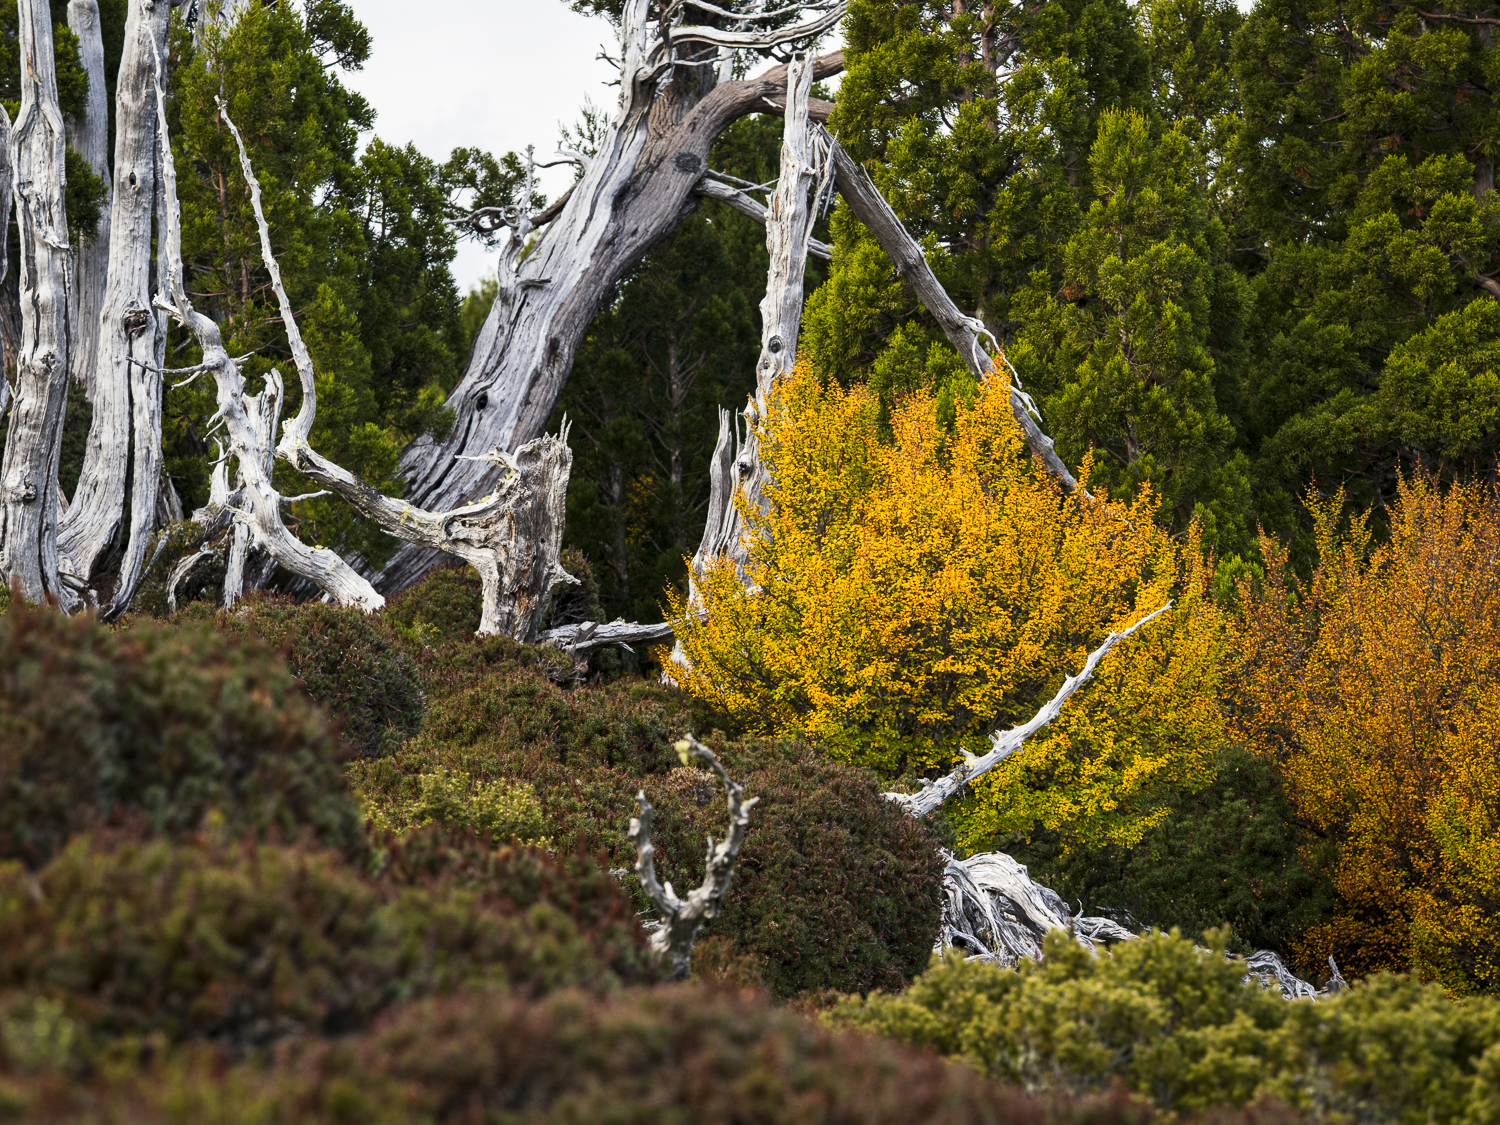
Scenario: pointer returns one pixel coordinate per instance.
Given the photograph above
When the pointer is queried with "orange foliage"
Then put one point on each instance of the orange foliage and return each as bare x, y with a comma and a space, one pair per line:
915, 596
1377, 687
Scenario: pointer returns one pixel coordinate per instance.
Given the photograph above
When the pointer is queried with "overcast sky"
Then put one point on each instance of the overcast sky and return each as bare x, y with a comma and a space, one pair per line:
494, 74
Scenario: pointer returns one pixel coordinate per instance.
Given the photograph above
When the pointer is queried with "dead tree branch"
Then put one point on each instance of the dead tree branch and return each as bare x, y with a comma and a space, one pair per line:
1007, 742
260, 512
711, 188
681, 919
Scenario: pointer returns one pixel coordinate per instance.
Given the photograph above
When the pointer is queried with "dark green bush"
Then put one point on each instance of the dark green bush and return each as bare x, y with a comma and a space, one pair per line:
169, 546
836, 887
675, 1054
446, 605
1173, 1023
245, 944
345, 662
1231, 854
159, 722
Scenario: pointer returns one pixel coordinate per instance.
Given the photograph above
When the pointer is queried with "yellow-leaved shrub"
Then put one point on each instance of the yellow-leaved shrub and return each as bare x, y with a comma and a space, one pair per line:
910, 597
1376, 687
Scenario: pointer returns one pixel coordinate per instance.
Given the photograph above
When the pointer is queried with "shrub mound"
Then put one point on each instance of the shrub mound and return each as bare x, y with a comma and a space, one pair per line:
245, 944
836, 888
677, 1053
1174, 1023
344, 660
158, 722
445, 606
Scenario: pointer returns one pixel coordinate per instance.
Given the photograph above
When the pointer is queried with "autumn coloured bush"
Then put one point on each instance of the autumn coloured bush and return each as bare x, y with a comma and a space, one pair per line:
343, 660
159, 724
1175, 1024
1375, 687
835, 888
245, 944
908, 598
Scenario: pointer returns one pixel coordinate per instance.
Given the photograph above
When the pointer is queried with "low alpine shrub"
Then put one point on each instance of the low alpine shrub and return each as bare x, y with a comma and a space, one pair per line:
164, 723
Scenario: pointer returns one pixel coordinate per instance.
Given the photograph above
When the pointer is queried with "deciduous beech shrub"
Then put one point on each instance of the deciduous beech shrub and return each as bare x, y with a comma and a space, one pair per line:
344, 661
162, 724
1175, 1025
912, 597
1375, 687
835, 887
243, 944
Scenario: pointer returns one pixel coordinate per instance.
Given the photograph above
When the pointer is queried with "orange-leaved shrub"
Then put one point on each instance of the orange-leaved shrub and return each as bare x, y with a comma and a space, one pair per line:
1376, 687
908, 598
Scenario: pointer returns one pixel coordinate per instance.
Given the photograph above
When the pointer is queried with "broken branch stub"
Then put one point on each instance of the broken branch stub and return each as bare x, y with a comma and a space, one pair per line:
682, 918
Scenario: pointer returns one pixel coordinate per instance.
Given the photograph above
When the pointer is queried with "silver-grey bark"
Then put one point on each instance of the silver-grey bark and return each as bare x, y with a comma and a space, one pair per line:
114, 506
28, 477
90, 139
638, 186
682, 918
7, 183
242, 415
512, 536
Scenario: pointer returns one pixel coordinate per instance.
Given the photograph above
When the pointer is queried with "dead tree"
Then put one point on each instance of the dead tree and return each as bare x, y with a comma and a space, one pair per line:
512, 536
676, 98
113, 513
241, 415
682, 918
89, 137
28, 477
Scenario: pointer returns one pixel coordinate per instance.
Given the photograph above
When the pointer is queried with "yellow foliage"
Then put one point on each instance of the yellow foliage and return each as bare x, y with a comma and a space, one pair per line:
912, 597
1377, 687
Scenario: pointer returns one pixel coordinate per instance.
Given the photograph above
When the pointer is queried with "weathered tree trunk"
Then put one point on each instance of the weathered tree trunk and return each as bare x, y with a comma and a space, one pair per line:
119, 474
28, 479
789, 220
244, 417
636, 189
90, 139
9, 335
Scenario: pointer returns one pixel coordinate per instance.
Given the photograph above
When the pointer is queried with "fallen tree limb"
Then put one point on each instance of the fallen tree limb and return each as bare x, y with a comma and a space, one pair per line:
681, 919
589, 636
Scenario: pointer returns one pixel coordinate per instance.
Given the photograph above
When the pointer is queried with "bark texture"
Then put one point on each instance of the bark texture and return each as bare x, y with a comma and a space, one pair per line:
7, 184
682, 918
113, 511
243, 417
28, 478
90, 139
637, 188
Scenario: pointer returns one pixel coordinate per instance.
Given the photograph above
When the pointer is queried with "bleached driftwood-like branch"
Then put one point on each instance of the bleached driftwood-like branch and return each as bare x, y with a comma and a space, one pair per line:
511, 537
968, 335
681, 919
746, 204
260, 509
589, 636
1004, 743
28, 474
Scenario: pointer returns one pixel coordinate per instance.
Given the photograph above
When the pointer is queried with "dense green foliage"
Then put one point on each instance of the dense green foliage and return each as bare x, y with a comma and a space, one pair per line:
1174, 1024
342, 659
244, 944
168, 725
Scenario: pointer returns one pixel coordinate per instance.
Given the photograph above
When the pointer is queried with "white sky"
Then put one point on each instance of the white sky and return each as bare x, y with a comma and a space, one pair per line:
492, 74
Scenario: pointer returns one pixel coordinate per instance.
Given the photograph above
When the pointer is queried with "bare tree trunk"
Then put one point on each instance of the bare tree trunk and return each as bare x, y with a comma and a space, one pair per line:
789, 221
90, 139
28, 480
9, 334
118, 472
636, 189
